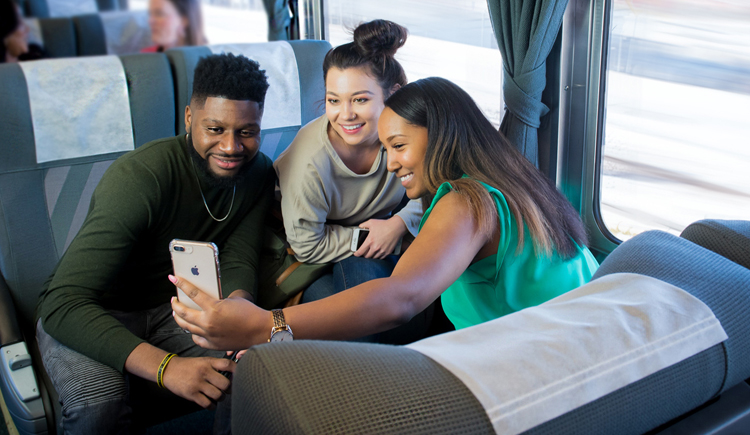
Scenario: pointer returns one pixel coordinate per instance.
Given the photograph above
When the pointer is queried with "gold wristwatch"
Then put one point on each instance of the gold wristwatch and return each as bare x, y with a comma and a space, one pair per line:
280, 331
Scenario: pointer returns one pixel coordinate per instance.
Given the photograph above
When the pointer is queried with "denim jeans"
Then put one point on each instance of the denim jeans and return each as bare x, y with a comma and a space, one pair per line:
95, 397
353, 271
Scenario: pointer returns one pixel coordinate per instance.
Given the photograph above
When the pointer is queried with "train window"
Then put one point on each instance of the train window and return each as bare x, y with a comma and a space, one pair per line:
674, 144
448, 38
228, 21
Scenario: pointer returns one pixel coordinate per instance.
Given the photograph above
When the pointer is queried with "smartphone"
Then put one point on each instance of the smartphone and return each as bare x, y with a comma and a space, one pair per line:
198, 263
359, 236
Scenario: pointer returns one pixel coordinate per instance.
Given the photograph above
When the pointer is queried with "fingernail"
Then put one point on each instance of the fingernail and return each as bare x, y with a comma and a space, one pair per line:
173, 314
172, 300
172, 278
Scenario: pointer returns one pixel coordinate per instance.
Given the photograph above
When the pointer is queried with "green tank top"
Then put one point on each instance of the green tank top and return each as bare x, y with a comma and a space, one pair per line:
508, 281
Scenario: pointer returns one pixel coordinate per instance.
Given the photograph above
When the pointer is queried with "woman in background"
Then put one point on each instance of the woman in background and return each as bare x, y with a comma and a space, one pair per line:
175, 23
15, 36
497, 237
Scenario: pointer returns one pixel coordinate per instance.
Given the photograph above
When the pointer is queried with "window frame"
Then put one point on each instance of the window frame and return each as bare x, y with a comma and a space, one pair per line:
586, 28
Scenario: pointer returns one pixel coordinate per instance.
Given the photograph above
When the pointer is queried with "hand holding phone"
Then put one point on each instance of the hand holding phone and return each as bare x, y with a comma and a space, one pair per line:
198, 263
359, 237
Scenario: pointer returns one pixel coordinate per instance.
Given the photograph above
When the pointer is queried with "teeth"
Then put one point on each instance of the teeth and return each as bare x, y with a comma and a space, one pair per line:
406, 177
351, 127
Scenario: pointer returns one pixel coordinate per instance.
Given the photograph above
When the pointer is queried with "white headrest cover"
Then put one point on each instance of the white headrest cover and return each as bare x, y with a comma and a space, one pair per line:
79, 107
126, 31
69, 8
282, 107
35, 31
539, 363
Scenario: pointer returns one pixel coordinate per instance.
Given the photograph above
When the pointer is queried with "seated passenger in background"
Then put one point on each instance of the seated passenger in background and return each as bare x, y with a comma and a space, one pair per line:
15, 36
104, 316
497, 236
175, 23
333, 177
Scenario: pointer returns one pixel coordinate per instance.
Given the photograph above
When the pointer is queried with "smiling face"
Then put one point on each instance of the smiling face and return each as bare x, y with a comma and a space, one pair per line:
225, 133
354, 101
406, 145
168, 27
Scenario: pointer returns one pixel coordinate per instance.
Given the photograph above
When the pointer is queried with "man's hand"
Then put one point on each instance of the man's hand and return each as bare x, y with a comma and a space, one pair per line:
229, 324
198, 379
383, 238
194, 379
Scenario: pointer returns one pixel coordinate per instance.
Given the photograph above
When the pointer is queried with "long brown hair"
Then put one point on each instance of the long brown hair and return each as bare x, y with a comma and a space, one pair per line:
375, 43
461, 141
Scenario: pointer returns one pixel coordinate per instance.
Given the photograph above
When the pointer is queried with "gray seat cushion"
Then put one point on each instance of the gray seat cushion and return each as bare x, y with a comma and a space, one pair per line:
325, 387
728, 238
319, 387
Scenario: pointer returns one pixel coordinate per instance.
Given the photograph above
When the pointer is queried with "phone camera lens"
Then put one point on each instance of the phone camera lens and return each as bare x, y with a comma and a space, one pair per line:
179, 248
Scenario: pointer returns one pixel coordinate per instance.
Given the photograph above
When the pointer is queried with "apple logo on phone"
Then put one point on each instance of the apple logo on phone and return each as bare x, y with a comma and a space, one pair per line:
194, 270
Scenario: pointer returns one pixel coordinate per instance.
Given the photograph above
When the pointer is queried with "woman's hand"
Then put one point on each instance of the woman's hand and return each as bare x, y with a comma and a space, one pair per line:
383, 238
229, 324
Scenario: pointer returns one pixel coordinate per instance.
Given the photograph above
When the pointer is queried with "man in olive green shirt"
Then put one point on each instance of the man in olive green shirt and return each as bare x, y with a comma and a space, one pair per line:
105, 312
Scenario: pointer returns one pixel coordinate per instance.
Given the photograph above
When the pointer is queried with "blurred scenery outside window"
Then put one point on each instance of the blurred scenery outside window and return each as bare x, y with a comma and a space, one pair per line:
228, 21
447, 38
676, 144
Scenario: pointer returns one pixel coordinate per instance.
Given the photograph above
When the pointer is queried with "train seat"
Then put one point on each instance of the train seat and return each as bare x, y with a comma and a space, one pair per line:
728, 238
112, 32
62, 135
296, 93
328, 387
56, 35
67, 8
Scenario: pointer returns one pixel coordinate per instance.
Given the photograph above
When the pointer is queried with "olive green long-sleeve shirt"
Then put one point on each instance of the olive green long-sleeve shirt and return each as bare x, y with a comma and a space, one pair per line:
120, 258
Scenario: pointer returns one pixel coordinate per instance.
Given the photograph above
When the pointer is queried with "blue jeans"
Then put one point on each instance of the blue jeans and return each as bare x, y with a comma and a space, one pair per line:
353, 271
95, 397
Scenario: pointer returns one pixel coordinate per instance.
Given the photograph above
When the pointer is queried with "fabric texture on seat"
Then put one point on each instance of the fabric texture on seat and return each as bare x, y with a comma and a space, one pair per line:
575, 348
335, 387
725, 288
90, 37
58, 37
151, 91
114, 32
79, 107
126, 32
728, 238
69, 8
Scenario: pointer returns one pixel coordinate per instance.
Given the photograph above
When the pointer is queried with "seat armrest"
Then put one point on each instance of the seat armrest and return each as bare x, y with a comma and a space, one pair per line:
10, 331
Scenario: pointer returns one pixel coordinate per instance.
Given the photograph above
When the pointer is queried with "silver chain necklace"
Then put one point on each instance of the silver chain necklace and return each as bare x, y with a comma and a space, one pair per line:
234, 191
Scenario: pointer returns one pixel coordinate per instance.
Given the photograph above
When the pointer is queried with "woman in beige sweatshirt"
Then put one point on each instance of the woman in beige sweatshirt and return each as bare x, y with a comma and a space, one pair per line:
333, 177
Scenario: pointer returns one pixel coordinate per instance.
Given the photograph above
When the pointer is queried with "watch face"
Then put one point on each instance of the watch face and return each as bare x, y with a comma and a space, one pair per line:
282, 335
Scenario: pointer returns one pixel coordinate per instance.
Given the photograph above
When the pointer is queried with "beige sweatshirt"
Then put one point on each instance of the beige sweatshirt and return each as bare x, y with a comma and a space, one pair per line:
323, 201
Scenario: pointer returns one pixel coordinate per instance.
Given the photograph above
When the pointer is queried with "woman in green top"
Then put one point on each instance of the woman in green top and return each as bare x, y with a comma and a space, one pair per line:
497, 236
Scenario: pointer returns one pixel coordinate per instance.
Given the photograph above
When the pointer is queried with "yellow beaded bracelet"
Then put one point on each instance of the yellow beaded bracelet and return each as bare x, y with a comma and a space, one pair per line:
162, 367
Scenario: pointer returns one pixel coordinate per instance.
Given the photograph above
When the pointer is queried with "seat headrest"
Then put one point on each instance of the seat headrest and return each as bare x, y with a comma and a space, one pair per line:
35, 31
68, 8
126, 31
79, 107
282, 105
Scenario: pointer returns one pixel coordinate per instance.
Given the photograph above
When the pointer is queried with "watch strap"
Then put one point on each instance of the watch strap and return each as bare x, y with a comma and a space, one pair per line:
278, 319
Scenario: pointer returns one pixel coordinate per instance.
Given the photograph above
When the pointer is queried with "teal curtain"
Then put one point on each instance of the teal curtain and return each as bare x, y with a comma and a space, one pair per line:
525, 32
279, 19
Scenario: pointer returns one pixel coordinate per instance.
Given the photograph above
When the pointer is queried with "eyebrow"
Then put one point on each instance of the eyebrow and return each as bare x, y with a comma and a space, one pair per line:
354, 93
390, 138
216, 121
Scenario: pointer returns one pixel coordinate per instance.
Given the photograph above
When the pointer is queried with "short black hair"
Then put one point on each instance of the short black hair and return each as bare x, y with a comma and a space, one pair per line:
228, 76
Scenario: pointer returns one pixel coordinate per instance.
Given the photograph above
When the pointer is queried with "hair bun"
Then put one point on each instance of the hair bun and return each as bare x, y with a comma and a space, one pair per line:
379, 37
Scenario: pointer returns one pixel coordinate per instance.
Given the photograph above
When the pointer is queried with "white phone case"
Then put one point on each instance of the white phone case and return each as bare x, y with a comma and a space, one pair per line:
198, 263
